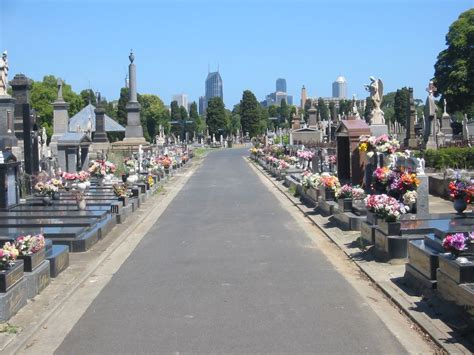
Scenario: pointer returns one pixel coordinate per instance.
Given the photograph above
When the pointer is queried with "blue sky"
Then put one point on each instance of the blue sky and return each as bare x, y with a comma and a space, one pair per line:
254, 42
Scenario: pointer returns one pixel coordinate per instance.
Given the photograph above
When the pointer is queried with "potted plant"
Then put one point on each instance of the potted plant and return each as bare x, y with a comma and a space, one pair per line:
344, 198
31, 250
11, 271
460, 191
328, 185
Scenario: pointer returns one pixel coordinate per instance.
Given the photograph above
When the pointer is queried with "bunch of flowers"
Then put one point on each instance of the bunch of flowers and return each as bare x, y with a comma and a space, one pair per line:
344, 192
385, 207
82, 176
129, 165
165, 162
49, 187
455, 243
277, 150
305, 154
121, 190
282, 165
8, 255
358, 193
329, 182
382, 176
100, 167
149, 180
184, 158
461, 189
404, 182
29, 244
332, 159
381, 144
410, 197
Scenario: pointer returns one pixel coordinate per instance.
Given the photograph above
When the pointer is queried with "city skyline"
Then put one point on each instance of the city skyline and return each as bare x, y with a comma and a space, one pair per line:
399, 54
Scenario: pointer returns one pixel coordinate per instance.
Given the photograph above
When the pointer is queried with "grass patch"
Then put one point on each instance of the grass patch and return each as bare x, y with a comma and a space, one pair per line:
294, 191
9, 328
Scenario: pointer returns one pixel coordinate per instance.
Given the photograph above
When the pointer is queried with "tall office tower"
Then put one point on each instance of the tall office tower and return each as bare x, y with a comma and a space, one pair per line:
339, 88
214, 86
182, 100
202, 105
304, 97
281, 85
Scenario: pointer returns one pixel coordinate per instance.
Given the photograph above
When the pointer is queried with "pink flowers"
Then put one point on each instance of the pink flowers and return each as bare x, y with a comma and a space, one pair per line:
100, 168
8, 255
305, 154
386, 207
81, 176
455, 243
27, 245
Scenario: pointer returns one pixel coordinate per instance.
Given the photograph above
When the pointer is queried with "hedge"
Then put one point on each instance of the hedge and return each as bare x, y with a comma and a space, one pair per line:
452, 157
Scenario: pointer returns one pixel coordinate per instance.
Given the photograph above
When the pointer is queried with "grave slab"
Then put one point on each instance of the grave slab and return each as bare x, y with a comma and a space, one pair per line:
38, 279
13, 300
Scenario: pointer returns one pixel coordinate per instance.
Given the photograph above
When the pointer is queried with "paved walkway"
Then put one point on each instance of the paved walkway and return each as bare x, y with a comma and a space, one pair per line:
227, 269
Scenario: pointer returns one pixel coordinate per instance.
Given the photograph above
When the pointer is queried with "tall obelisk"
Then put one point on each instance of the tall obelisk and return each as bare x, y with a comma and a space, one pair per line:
134, 129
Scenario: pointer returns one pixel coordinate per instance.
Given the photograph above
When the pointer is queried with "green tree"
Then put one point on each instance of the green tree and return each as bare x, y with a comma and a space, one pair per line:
121, 107
152, 110
454, 69
250, 114
216, 116
345, 107
88, 96
193, 111
43, 93
175, 111
402, 106
284, 111
323, 109
273, 111
369, 105
332, 110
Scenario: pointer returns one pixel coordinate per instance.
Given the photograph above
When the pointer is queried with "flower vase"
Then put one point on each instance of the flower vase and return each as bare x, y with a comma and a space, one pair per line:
47, 201
100, 181
81, 204
460, 205
81, 186
124, 177
56, 196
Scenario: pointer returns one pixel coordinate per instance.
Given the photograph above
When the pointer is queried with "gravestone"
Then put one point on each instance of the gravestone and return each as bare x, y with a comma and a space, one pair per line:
9, 185
350, 164
73, 151
312, 117
100, 141
7, 135
411, 141
60, 118
446, 128
21, 87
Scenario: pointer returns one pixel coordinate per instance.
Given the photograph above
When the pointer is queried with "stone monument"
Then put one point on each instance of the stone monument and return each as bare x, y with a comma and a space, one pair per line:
446, 123
133, 130
100, 142
7, 109
312, 116
377, 120
410, 140
295, 122
429, 123
60, 118
21, 86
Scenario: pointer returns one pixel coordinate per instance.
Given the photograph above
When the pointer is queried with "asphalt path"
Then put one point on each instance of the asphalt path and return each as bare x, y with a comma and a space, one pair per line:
226, 269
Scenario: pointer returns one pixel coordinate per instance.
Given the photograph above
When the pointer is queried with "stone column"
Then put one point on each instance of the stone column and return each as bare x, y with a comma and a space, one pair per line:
134, 129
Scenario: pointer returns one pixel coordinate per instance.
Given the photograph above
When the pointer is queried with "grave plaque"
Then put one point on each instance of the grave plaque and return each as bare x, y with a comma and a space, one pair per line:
9, 190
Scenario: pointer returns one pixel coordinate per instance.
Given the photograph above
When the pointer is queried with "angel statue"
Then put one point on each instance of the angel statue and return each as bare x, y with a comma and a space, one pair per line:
3, 74
375, 88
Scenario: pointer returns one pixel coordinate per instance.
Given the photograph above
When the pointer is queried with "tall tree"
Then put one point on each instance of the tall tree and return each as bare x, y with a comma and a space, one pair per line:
345, 107
121, 107
152, 110
402, 106
284, 112
216, 116
369, 105
273, 111
88, 96
175, 111
323, 109
250, 114
454, 69
332, 110
193, 111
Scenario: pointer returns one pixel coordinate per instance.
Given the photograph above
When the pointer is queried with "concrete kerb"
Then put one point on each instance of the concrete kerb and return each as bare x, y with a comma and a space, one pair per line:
420, 320
17, 342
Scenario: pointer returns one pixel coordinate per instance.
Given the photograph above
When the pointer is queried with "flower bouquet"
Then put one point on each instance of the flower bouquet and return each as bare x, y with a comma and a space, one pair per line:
29, 244
455, 243
305, 155
100, 168
8, 255
385, 207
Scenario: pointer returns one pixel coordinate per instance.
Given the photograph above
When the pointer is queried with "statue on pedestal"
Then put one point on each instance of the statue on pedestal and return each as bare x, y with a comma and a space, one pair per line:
430, 112
375, 88
3, 74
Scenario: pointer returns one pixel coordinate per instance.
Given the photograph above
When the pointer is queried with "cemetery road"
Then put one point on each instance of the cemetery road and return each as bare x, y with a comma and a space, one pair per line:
226, 269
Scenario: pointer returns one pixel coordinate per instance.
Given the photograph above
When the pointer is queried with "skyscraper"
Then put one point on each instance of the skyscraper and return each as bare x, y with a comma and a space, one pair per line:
339, 88
281, 85
202, 105
214, 86
182, 100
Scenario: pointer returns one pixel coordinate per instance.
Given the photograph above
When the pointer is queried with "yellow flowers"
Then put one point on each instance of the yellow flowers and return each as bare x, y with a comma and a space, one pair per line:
363, 147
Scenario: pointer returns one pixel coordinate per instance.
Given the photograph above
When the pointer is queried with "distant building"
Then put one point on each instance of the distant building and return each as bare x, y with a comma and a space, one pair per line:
339, 88
304, 97
280, 85
202, 105
214, 87
182, 100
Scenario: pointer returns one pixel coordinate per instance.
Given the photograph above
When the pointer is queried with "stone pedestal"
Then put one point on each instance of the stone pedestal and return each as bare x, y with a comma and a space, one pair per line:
7, 135
422, 201
60, 123
100, 142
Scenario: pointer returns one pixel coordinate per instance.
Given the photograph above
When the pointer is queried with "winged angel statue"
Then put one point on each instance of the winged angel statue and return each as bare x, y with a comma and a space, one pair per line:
375, 88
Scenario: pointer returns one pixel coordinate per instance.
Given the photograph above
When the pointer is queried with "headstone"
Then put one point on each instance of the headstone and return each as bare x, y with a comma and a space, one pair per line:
446, 124
60, 118
73, 151
9, 186
21, 87
411, 141
429, 123
312, 116
100, 141
30, 141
